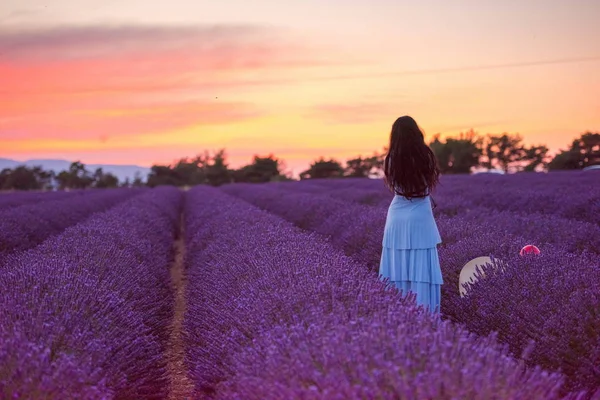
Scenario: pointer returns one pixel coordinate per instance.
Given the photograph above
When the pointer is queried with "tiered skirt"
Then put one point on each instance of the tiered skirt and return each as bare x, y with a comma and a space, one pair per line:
414, 270
409, 258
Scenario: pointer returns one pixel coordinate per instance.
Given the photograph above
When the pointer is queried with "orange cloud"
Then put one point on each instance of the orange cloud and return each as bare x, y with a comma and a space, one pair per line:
109, 122
355, 113
96, 60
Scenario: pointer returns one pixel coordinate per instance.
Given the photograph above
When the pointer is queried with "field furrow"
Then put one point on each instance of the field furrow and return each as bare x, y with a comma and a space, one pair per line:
181, 385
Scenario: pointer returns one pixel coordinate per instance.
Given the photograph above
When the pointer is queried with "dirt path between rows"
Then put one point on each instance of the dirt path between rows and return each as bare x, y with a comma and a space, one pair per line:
181, 385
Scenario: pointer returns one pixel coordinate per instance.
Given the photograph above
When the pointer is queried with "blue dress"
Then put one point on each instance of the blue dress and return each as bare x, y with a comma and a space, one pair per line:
409, 258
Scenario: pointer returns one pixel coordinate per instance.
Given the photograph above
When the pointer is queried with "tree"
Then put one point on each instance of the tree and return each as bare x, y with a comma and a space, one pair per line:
583, 152
104, 180
261, 170
565, 160
458, 155
360, 167
191, 171
217, 170
588, 146
202, 169
322, 168
535, 156
4, 175
25, 178
45, 178
22, 178
163, 175
76, 177
503, 151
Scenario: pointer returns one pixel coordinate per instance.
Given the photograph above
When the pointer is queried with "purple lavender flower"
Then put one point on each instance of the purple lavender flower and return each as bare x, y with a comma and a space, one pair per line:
276, 312
88, 311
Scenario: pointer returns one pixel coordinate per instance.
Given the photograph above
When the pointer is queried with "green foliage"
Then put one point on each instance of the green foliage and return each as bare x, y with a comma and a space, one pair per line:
503, 151
25, 178
214, 170
455, 155
470, 150
35, 178
507, 152
458, 155
217, 170
104, 180
583, 152
261, 170
535, 156
360, 167
321, 169
164, 175
203, 169
76, 177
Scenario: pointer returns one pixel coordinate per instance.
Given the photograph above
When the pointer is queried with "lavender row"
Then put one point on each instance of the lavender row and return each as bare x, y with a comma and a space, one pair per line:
333, 217
274, 312
9, 200
24, 227
563, 182
545, 308
85, 315
574, 195
540, 229
368, 195
357, 230
576, 198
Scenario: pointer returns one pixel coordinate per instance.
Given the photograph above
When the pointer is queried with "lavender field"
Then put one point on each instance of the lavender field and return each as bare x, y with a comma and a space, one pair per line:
270, 291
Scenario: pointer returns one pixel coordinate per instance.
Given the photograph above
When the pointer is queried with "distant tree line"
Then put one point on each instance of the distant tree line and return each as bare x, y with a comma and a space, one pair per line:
456, 155
469, 151
507, 152
76, 177
214, 170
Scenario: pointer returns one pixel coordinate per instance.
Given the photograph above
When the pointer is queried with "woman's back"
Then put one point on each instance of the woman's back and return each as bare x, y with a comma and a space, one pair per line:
409, 258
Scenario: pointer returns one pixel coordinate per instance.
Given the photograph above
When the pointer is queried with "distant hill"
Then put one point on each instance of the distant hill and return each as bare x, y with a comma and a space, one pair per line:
120, 171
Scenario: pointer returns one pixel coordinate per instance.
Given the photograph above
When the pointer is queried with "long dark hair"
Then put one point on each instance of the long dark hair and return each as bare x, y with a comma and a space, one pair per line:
410, 166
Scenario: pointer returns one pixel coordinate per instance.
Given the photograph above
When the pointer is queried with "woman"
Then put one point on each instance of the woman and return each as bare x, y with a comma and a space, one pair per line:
409, 258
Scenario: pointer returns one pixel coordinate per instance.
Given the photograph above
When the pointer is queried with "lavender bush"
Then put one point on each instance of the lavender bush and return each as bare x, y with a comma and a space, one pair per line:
280, 311
568, 267
86, 314
552, 300
277, 313
574, 195
26, 226
16, 199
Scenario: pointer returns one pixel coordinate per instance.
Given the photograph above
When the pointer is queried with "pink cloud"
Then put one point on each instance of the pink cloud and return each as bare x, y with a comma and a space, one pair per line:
84, 59
223, 46
67, 82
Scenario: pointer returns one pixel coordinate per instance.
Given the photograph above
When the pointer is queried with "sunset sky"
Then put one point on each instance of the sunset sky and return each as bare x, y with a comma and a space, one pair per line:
142, 82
